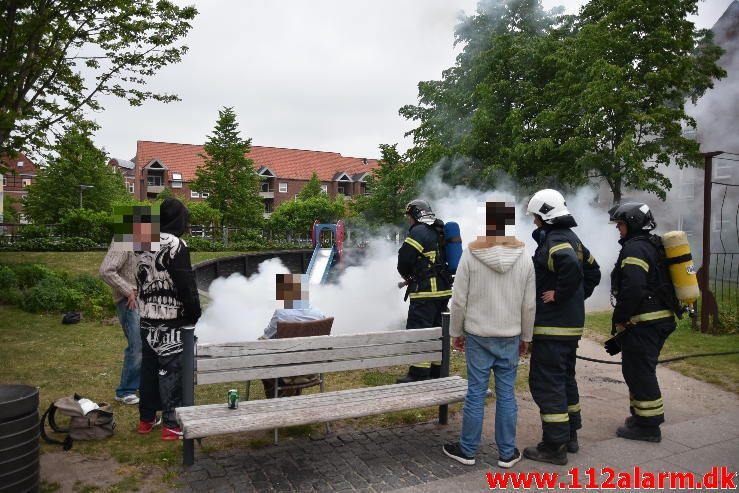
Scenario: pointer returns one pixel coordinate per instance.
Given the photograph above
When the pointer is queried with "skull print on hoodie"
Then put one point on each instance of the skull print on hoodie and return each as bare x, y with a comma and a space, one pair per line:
167, 292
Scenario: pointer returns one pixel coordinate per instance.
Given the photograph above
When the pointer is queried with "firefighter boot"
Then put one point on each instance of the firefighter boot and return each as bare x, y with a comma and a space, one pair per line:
572, 445
415, 374
630, 422
435, 370
547, 452
637, 432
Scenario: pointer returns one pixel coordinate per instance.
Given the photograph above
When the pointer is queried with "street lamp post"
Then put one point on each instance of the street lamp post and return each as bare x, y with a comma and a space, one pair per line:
82, 189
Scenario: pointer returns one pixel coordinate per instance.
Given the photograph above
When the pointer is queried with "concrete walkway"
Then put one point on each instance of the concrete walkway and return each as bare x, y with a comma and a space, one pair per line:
701, 432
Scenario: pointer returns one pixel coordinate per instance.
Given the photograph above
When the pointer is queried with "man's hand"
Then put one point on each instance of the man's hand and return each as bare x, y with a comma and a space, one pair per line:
458, 343
548, 296
523, 348
132, 305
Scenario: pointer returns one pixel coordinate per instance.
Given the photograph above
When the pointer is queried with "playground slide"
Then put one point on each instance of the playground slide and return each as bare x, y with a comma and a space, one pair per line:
319, 265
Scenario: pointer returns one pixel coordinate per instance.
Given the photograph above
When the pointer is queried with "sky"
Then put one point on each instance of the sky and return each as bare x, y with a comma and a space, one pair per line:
326, 75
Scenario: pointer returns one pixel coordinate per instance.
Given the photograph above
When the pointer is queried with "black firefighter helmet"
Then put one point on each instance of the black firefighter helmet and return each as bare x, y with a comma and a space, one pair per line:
420, 210
636, 215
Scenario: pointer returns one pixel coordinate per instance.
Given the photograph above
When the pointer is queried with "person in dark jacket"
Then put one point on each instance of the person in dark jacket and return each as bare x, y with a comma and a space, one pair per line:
566, 274
643, 317
168, 300
428, 281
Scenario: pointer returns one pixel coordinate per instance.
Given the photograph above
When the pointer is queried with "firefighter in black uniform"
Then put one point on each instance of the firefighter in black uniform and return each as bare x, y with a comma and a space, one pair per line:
422, 266
643, 317
566, 274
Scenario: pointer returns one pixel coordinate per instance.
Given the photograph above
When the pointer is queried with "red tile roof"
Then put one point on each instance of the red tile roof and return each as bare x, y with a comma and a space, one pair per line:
284, 163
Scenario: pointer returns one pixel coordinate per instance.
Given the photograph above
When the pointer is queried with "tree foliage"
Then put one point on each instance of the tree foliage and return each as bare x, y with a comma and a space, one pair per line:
558, 101
228, 176
311, 189
203, 214
58, 58
76, 161
297, 216
391, 186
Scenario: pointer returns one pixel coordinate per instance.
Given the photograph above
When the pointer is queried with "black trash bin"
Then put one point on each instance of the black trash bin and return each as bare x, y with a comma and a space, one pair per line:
19, 439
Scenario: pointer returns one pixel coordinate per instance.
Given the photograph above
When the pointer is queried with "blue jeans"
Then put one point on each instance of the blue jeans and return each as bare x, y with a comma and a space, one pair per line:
131, 371
499, 354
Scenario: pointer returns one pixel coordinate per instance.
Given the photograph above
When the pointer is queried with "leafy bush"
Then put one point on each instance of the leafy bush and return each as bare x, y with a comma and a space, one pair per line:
30, 231
8, 279
51, 295
197, 244
11, 296
72, 244
86, 223
29, 275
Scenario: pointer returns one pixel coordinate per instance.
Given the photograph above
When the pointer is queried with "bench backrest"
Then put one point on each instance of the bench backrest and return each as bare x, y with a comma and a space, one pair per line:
234, 362
287, 330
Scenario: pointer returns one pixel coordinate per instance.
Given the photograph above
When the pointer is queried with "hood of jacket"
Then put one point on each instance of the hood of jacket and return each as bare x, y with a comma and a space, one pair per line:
173, 216
499, 253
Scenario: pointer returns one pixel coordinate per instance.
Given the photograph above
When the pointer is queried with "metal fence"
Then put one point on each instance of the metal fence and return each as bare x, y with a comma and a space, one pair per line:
724, 284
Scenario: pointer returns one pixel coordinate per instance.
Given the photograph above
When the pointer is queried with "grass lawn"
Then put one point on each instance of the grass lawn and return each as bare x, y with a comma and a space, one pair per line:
84, 262
720, 370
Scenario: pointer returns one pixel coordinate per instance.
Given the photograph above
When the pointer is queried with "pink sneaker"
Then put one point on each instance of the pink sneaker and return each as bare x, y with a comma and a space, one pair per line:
171, 433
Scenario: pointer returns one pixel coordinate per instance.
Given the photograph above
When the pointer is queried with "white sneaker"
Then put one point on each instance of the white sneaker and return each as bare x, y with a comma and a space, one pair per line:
128, 399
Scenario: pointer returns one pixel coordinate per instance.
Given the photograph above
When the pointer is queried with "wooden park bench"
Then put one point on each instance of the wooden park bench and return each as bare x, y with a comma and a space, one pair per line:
254, 360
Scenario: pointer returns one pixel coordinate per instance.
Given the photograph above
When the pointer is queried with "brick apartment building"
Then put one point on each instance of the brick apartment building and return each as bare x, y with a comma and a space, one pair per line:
284, 172
21, 173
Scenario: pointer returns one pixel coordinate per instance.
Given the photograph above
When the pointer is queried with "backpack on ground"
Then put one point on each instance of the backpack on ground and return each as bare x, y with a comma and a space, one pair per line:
87, 420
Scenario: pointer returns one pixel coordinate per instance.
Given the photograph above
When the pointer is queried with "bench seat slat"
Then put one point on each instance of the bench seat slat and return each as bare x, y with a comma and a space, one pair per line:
319, 399
292, 357
310, 368
252, 348
243, 420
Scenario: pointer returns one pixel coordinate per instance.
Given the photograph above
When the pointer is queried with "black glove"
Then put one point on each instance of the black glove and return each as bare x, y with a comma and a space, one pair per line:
613, 345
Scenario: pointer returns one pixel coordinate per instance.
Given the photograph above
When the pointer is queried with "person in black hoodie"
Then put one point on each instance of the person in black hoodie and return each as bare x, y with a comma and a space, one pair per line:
168, 300
643, 317
566, 274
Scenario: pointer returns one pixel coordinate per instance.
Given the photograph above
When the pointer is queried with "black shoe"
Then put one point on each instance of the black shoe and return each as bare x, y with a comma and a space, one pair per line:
415, 374
630, 422
510, 461
435, 370
553, 454
572, 445
454, 451
644, 433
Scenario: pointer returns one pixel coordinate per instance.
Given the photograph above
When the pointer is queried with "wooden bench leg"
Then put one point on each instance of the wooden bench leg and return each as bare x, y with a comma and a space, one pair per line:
443, 414
275, 437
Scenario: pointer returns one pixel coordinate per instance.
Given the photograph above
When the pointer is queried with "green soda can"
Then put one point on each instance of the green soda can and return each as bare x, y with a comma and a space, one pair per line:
233, 399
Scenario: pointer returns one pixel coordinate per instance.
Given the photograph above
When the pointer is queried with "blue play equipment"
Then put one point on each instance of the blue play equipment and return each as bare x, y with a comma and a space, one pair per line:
328, 246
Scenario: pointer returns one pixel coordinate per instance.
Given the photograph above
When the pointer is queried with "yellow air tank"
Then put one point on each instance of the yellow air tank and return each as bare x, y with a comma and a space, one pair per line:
680, 263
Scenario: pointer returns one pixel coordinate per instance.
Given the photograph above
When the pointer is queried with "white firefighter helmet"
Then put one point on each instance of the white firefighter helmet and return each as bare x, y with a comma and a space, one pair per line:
548, 204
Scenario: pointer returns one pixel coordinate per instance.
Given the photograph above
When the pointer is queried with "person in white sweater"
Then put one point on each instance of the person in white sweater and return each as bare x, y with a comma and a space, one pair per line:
492, 318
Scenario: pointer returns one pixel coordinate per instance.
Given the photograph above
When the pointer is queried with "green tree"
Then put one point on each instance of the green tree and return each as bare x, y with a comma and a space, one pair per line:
229, 176
10, 215
391, 186
58, 58
311, 189
623, 78
297, 216
203, 214
75, 162
165, 194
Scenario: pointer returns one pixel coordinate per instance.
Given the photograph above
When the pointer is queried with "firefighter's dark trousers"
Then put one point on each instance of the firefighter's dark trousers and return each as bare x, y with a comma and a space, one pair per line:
425, 313
640, 348
554, 388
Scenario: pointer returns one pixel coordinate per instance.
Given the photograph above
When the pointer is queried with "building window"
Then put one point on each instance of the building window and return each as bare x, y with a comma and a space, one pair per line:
265, 187
154, 180
25, 182
130, 188
177, 176
176, 184
204, 195
341, 189
324, 188
283, 188
194, 194
5, 181
20, 164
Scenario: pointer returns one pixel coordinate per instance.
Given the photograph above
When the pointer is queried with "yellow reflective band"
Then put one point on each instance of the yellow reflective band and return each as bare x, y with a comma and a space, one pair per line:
648, 413
591, 259
574, 408
414, 244
553, 250
555, 418
434, 287
558, 331
429, 294
635, 261
646, 317
430, 255
647, 404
